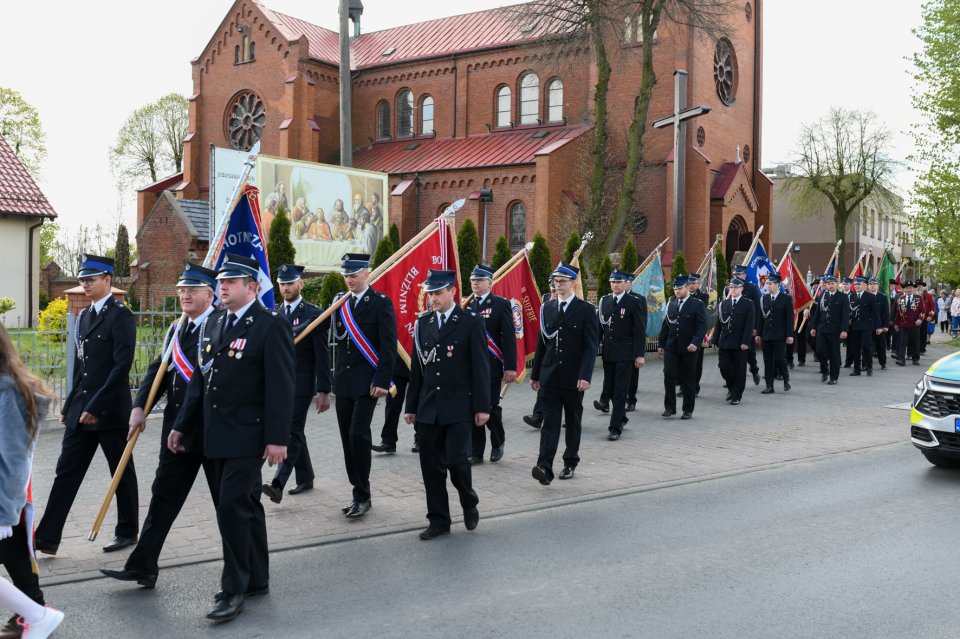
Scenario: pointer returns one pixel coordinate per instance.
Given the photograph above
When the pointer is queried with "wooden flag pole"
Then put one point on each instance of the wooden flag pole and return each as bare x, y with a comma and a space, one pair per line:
706, 258
649, 258
500, 272
753, 245
211, 257
785, 254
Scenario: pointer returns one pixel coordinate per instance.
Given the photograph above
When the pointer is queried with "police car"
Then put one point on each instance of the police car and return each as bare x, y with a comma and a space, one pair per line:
935, 414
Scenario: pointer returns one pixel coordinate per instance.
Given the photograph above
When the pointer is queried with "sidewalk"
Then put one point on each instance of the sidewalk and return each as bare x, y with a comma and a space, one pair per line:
810, 421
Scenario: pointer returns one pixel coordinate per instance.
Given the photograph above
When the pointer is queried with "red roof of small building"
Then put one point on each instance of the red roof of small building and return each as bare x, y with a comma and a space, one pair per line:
725, 178
479, 30
490, 149
19, 194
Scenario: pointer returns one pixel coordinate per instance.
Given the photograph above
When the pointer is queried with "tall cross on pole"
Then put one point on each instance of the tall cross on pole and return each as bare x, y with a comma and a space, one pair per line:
678, 120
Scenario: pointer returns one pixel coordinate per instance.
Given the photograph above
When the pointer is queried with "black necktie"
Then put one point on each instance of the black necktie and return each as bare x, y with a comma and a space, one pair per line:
440, 322
231, 320
356, 300
286, 311
187, 329
93, 313
563, 307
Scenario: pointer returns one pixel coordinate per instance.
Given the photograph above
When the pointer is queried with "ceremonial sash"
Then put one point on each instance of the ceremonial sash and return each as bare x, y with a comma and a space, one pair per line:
494, 349
357, 336
180, 361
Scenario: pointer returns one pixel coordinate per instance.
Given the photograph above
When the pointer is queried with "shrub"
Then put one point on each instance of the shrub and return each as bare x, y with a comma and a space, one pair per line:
468, 249
603, 277
395, 237
7, 304
54, 319
311, 289
629, 260
573, 243
501, 253
333, 283
540, 262
679, 266
384, 250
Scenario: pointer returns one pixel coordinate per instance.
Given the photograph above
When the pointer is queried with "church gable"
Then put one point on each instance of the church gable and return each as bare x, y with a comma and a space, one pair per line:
731, 187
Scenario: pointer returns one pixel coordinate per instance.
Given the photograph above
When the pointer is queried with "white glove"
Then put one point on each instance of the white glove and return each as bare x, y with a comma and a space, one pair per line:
6, 532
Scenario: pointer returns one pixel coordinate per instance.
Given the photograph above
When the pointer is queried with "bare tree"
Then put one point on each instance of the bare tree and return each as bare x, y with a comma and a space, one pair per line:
842, 157
150, 143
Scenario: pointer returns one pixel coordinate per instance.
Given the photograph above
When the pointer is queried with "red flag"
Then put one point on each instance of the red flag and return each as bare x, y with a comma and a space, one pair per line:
794, 283
519, 287
401, 282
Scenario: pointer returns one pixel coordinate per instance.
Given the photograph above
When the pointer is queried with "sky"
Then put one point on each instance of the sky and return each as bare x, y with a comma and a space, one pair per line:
87, 66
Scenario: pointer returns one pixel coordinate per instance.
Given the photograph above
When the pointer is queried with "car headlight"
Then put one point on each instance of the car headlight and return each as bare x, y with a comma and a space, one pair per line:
922, 386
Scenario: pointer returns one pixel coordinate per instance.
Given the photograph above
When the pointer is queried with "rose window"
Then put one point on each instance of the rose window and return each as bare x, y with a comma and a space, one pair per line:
725, 71
245, 119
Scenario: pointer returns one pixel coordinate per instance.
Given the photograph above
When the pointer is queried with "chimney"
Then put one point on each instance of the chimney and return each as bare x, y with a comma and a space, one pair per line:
356, 10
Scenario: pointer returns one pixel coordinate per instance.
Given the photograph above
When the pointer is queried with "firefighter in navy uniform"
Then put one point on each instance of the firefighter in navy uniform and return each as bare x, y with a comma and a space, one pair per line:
776, 333
535, 418
883, 312
448, 397
623, 319
864, 326
241, 395
563, 367
498, 321
175, 473
361, 377
681, 336
699, 294
752, 293
734, 339
312, 381
97, 410
829, 320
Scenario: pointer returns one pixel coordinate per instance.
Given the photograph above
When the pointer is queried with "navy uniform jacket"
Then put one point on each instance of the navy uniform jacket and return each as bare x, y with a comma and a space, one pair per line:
313, 358
624, 327
735, 323
864, 315
354, 375
689, 326
246, 402
752, 293
777, 317
175, 388
568, 356
883, 309
101, 378
831, 317
498, 320
455, 382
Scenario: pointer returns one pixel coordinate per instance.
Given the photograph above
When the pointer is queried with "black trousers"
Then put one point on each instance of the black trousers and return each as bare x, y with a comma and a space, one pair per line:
538, 406
15, 557
775, 361
679, 368
353, 416
860, 345
733, 369
76, 453
606, 393
828, 352
393, 410
909, 343
243, 528
557, 403
634, 383
619, 374
446, 448
171, 487
298, 456
879, 347
497, 435
801, 343
752, 357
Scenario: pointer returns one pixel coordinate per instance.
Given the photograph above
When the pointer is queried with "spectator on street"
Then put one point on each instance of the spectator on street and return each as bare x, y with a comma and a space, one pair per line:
955, 313
943, 311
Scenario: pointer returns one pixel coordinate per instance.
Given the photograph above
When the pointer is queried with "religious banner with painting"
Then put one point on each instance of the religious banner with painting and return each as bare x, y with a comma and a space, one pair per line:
649, 283
519, 287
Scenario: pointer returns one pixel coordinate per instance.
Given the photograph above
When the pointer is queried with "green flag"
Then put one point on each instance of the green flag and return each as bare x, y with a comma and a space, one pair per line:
886, 272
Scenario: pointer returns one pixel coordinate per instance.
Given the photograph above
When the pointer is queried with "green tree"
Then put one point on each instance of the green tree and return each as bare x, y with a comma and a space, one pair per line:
122, 253
629, 260
280, 249
540, 262
936, 200
311, 289
333, 283
384, 250
150, 142
7, 304
468, 249
395, 237
573, 243
679, 266
48, 242
723, 270
603, 277
501, 253
20, 127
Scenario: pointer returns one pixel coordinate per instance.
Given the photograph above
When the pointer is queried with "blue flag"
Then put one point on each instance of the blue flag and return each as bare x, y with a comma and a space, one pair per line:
245, 237
759, 265
650, 284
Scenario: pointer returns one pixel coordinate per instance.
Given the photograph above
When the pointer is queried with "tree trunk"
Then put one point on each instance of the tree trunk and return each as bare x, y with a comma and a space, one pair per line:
840, 219
599, 177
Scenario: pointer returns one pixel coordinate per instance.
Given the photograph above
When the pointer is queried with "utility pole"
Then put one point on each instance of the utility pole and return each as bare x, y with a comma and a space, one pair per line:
346, 127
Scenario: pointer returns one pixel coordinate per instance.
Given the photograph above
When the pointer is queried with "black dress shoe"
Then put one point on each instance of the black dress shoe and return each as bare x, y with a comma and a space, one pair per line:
884, 367
767, 390
679, 392
358, 509
686, 415
45, 547
790, 365
728, 397
496, 454
384, 447
475, 459
901, 362
602, 407
301, 488
347, 508
567, 472
668, 413
631, 407
471, 518
119, 543
869, 372
273, 491
801, 363
227, 608
734, 402
756, 378
416, 447
832, 382
542, 475
430, 532
823, 377
855, 374
142, 578
613, 436
530, 421
786, 386
848, 365
255, 591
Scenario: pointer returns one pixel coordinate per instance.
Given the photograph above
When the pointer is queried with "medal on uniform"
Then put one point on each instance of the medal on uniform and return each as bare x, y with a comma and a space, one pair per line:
450, 351
230, 353
239, 354
623, 312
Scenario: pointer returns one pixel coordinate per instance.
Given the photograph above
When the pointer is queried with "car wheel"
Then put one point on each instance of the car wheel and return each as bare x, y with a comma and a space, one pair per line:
941, 461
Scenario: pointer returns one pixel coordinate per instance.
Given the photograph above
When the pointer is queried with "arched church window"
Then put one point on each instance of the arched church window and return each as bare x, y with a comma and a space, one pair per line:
405, 113
725, 71
503, 106
245, 119
383, 120
517, 223
426, 115
555, 101
529, 99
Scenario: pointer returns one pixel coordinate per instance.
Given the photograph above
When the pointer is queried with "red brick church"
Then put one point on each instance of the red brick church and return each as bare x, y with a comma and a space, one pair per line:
449, 106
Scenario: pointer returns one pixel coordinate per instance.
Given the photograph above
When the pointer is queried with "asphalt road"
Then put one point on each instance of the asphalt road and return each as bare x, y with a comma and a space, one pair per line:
852, 545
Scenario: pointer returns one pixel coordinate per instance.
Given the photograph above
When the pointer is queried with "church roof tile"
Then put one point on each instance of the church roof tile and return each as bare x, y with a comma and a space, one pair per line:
19, 193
